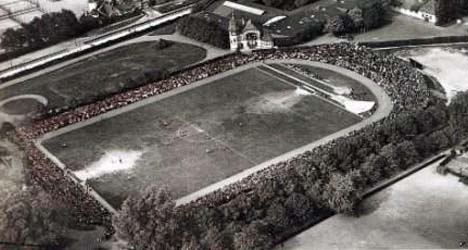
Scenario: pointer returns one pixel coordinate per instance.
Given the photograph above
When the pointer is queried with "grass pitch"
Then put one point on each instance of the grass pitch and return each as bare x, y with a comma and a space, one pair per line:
198, 137
105, 73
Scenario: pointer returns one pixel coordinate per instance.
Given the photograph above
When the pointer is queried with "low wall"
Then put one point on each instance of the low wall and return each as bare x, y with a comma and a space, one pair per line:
415, 42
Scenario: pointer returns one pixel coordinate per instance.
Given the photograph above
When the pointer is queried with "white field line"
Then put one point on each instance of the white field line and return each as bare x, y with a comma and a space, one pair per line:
310, 87
335, 88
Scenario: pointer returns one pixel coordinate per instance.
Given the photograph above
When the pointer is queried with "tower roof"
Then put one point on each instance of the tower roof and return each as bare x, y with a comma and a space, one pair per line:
233, 23
249, 26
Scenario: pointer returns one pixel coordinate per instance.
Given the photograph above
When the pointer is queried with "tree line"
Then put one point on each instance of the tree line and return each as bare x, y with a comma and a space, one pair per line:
49, 29
367, 15
329, 179
203, 29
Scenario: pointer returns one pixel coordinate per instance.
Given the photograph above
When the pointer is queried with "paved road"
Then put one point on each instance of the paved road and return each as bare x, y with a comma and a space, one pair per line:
384, 108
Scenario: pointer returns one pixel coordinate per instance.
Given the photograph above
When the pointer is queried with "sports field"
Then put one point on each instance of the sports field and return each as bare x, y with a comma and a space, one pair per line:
197, 137
106, 73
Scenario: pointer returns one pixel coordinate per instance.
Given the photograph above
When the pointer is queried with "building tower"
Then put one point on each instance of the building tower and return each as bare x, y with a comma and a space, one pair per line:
233, 33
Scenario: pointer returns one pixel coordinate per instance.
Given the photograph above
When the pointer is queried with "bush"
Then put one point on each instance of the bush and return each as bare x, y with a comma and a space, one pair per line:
163, 44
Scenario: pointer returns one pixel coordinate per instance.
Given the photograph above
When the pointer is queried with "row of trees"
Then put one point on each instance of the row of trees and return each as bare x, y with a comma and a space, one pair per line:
367, 15
330, 178
30, 217
205, 30
49, 29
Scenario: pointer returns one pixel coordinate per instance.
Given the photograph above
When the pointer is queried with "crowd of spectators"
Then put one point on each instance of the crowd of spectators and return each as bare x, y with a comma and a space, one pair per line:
59, 183
405, 85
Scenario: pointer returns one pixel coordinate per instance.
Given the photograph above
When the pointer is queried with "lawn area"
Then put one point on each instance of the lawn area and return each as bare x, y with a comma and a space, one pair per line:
106, 73
197, 137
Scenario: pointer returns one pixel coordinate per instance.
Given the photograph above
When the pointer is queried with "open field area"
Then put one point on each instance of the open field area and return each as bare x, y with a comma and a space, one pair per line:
197, 137
105, 73
424, 211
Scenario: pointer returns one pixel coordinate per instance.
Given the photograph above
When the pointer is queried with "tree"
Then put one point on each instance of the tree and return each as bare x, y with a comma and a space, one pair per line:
341, 24
215, 239
342, 192
277, 217
400, 156
297, 206
373, 13
191, 244
458, 109
445, 11
14, 39
48, 29
358, 21
29, 218
439, 140
253, 237
204, 29
373, 168
88, 22
149, 221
